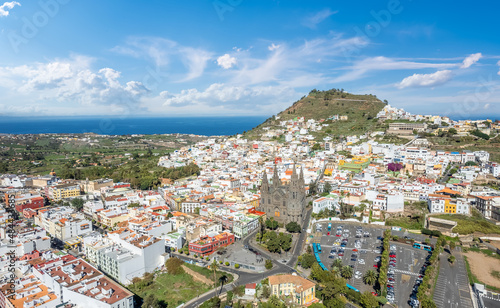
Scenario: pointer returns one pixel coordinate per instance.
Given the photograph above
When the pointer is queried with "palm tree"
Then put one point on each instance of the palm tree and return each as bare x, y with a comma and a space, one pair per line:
337, 263
370, 277
336, 270
222, 279
347, 272
214, 266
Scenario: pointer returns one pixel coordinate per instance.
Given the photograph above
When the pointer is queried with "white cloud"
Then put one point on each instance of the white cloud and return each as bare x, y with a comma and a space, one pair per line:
312, 21
232, 97
498, 63
162, 51
4, 8
285, 63
195, 60
226, 61
471, 59
360, 68
273, 47
426, 80
73, 81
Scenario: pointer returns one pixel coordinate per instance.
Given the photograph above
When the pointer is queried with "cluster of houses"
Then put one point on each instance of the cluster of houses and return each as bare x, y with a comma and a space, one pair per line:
440, 123
124, 232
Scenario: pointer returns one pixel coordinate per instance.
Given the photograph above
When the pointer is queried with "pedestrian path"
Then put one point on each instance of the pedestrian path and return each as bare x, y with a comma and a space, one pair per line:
406, 272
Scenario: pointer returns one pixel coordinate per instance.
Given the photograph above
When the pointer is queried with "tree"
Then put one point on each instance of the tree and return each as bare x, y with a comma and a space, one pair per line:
333, 288
427, 303
307, 260
368, 300
261, 223
174, 266
269, 264
292, 227
451, 259
327, 188
275, 302
152, 302
452, 246
214, 302
222, 279
271, 224
285, 241
312, 188
266, 291
273, 243
346, 272
77, 203
452, 131
370, 277
316, 147
214, 267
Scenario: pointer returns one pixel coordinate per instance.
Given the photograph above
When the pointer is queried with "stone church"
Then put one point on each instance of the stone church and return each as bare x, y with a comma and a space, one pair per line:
285, 203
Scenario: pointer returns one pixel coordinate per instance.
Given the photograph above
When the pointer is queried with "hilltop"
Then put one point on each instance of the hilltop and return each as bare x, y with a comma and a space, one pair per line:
361, 111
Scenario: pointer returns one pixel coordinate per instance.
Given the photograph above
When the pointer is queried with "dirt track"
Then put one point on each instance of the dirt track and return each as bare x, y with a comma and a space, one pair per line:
482, 266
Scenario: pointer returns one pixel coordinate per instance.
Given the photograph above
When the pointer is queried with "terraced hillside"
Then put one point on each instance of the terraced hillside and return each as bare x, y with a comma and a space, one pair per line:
359, 109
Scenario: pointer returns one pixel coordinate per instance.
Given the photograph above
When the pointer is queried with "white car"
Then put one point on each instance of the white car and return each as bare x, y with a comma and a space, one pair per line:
361, 261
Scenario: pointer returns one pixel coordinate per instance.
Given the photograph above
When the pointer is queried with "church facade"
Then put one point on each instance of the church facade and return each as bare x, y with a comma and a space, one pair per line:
285, 203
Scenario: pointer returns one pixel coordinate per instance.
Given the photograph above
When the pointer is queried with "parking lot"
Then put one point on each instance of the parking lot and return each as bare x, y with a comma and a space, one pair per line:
360, 251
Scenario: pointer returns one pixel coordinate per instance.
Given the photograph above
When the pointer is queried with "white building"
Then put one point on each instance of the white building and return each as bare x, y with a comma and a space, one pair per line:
125, 255
63, 223
325, 203
77, 282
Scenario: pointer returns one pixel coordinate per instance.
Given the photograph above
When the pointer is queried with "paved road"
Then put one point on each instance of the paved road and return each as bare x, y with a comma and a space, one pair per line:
452, 287
491, 300
248, 277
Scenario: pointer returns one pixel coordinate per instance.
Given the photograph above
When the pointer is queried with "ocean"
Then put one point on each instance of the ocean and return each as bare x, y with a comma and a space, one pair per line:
208, 126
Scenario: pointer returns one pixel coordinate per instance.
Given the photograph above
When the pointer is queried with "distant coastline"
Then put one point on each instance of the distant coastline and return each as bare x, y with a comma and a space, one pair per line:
208, 126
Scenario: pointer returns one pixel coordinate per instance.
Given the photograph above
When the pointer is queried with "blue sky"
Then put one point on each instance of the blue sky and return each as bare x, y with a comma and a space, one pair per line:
242, 57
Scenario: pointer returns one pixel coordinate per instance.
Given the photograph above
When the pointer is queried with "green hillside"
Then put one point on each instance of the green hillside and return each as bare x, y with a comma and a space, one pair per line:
361, 111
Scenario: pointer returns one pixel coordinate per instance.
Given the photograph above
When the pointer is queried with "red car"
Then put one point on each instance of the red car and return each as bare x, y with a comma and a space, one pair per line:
392, 256
354, 249
328, 233
374, 293
375, 265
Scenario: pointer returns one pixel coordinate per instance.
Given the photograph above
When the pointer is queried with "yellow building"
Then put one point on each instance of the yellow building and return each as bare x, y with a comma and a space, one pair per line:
63, 191
300, 289
449, 208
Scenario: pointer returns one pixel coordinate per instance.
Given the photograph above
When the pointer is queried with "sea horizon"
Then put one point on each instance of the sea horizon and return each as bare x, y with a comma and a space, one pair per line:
148, 125
197, 125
